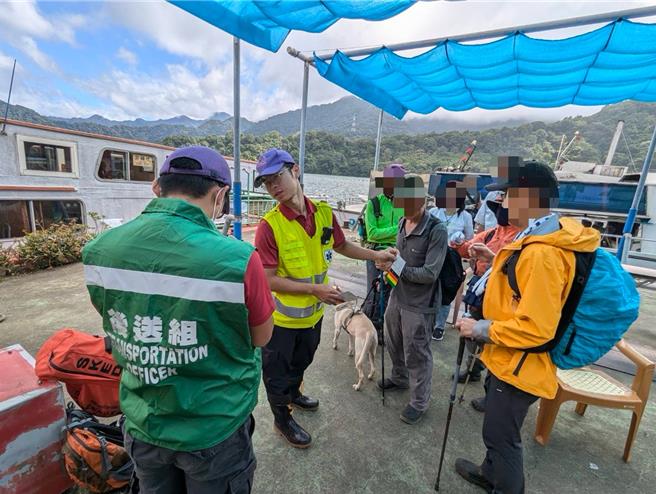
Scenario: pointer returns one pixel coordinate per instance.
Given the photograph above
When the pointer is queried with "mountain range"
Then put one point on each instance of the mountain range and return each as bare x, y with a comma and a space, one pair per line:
340, 138
348, 116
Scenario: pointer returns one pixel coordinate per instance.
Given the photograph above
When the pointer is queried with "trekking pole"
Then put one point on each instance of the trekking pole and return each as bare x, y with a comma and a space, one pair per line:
381, 307
452, 400
470, 367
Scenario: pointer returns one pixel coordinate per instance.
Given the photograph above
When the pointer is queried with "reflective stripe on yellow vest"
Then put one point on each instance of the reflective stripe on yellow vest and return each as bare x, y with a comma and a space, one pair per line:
300, 258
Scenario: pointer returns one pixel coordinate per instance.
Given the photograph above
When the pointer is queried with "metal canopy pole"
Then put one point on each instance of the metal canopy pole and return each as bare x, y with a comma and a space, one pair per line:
378, 138
236, 181
625, 241
493, 33
11, 86
301, 145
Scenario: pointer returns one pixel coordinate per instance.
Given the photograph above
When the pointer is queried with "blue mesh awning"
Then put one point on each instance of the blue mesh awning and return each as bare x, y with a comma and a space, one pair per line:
266, 23
611, 64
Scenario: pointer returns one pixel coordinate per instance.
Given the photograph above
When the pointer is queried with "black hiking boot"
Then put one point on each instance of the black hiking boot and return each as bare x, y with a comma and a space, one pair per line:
478, 404
472, 474
285, 425
306, 403
474, 376
410, 415
389, 385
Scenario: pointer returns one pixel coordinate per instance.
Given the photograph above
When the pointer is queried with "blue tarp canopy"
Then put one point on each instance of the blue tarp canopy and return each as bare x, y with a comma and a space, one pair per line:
266, 23
613, 63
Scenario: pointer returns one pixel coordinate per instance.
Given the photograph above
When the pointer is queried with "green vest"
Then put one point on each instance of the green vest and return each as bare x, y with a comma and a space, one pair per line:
382, 229
304, 259
170, 290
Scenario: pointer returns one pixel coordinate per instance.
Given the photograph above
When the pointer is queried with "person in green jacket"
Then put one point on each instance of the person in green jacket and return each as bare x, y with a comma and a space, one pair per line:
185, 308
382, 224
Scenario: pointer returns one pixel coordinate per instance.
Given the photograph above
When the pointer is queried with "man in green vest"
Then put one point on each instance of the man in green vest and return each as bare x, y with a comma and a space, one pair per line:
296, 240
382, 223
185, 308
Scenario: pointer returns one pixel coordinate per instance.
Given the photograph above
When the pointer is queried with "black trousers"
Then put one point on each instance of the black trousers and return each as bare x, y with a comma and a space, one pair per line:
505, 410
284, 360
226, 468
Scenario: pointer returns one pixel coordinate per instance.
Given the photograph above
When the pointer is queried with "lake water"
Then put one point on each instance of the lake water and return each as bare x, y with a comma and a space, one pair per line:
335, 188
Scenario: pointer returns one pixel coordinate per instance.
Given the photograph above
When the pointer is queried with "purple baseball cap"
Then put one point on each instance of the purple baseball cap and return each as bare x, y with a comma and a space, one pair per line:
395, 170
212, 164
271, 161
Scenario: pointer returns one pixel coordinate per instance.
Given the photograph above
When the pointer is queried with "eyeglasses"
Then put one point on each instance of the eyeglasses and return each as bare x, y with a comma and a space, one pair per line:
273, 179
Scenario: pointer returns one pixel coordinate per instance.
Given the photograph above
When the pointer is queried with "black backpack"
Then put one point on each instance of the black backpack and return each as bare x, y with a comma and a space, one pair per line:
452, 275
362, 227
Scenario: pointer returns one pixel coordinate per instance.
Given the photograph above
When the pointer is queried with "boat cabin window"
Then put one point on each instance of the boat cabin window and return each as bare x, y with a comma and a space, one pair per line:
17, 218
47, 157
14, 219
124, 165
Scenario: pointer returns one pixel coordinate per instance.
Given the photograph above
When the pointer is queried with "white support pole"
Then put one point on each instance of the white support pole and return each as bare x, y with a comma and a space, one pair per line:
379, 135
625, 242
236, 162
304, 102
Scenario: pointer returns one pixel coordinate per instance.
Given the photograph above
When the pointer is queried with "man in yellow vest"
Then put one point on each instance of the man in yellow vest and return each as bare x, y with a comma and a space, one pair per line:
295, 241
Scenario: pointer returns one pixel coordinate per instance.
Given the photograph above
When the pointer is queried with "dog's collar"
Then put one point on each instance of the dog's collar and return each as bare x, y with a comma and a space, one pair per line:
348, 320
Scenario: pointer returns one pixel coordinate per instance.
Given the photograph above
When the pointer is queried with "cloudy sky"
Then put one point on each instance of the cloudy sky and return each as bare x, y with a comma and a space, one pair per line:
150, 59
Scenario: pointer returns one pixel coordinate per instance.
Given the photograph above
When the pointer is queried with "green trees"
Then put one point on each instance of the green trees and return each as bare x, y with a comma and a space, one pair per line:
335, 153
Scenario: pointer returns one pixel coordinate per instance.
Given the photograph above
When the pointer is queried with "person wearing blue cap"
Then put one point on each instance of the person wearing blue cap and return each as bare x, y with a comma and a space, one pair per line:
185, 308
296, 240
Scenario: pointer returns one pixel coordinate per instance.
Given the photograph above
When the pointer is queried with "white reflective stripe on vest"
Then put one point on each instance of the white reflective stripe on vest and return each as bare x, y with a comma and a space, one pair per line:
297, 312
317, 278
168, 285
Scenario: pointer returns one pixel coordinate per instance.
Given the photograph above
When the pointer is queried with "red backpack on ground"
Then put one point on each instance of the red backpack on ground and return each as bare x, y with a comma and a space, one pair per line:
84, 363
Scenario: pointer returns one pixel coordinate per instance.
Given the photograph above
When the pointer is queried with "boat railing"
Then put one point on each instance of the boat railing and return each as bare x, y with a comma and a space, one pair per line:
349, 201
255, 207
641, 251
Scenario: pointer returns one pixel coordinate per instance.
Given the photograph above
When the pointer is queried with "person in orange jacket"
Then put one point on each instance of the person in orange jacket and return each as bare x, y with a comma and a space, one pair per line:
545, 273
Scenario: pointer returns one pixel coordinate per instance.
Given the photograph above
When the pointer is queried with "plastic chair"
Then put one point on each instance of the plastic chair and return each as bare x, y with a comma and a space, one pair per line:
589, 386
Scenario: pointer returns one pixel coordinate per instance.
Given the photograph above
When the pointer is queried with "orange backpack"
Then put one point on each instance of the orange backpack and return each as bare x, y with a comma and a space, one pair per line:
84, 363
94, 455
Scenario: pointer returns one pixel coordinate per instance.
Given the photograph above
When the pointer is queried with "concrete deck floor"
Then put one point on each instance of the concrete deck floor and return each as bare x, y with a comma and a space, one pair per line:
361, 446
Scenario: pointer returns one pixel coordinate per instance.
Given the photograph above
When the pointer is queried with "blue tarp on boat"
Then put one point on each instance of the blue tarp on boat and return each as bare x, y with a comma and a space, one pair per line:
610, 64
266, 23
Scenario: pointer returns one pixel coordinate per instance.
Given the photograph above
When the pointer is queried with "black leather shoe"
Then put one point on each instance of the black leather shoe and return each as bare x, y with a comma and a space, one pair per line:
410, 415
478, 404
389, 385
288, 428
472, 474
303, 402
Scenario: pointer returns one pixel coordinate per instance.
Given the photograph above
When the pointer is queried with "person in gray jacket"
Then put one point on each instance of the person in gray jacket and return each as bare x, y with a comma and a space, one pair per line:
410, 315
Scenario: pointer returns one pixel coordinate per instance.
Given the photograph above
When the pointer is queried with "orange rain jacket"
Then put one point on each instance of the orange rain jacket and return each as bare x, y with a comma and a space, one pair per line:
545, 271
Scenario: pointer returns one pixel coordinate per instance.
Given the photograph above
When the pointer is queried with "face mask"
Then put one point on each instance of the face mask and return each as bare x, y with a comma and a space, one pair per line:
216, 211
502, 216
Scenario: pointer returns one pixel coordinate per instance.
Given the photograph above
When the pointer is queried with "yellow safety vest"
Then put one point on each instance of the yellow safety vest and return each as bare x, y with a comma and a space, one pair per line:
300, 258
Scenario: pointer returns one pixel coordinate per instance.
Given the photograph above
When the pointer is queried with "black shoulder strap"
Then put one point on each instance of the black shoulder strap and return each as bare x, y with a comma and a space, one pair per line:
489, 235
584, 262
508, 269
432, 223
375, 202
108, 344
